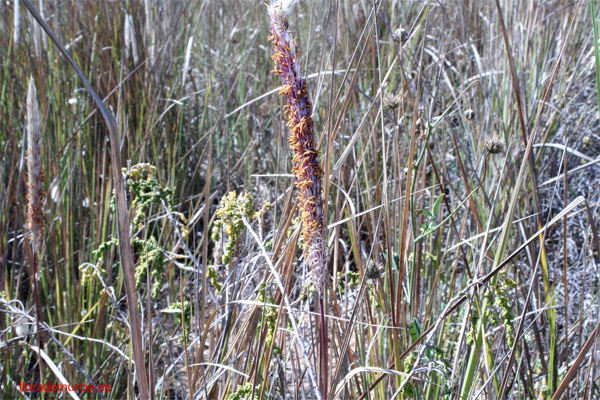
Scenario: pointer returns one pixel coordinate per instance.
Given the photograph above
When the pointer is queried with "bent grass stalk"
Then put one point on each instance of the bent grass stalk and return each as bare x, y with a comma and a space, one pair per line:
306, 166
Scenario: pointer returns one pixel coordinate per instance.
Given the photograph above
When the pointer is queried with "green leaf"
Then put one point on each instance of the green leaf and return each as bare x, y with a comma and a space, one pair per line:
415, 329
436, 205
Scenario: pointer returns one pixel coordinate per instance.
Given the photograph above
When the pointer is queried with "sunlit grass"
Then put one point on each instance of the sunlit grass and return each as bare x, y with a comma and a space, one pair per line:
409, 98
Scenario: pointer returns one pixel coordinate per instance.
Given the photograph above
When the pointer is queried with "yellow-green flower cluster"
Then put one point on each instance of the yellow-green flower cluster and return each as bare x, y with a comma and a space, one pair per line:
147, 195
350, 278
105, 246
146, 191
187, 315
89, 271
118, 329
269, 317
470, 338
502, 302
230, 214
151, 258
244, 392
213, 278
409, 389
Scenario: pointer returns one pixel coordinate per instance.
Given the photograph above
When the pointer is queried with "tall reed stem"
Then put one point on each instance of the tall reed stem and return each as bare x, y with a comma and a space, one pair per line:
35, 196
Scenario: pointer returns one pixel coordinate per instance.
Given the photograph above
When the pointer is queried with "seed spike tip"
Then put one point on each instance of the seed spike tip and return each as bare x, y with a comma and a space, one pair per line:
281, 8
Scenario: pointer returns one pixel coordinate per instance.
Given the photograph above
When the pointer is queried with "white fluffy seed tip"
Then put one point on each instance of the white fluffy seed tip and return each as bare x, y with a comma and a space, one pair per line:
281, 8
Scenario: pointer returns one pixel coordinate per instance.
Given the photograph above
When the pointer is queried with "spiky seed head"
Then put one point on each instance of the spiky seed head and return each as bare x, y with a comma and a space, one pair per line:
280, 8
494, 144
35, 175
469, 114
373, 272
306, 165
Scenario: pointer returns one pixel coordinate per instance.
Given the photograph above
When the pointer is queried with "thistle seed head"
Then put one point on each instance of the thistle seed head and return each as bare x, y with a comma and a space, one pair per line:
494, 144
373, 272
391, 102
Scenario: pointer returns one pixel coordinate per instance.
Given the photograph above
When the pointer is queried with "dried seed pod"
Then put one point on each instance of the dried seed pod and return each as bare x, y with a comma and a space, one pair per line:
400, 36
391, 102
420, 128
494, 144
469, 114
373, 272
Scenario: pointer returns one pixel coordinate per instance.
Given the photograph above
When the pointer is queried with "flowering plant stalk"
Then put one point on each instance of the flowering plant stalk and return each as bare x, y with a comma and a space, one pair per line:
35, 174
306, 166
35, 195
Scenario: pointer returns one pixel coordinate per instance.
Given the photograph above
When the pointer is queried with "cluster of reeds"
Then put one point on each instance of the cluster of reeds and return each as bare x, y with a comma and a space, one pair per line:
444, 277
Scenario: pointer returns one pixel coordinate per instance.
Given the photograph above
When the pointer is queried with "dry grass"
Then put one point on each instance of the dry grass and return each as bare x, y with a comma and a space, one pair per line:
462, 259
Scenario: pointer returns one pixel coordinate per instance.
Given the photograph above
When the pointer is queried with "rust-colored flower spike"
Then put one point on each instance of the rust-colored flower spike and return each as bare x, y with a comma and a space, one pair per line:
35, 175
298, 112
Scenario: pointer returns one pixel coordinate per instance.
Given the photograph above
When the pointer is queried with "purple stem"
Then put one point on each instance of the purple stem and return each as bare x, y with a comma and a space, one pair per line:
323, 349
